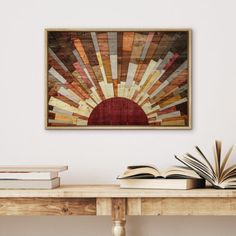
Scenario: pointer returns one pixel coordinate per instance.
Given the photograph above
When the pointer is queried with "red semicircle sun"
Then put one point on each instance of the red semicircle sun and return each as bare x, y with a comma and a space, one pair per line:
117, 111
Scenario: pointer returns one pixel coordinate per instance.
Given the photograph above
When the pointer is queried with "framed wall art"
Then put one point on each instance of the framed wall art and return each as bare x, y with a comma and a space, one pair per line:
118, 79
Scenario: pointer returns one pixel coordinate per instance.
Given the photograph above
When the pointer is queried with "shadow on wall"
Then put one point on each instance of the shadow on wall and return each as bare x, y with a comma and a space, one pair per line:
136, 226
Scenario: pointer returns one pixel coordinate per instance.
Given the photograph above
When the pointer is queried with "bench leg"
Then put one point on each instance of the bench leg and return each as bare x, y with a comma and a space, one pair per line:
118, 228
118, 216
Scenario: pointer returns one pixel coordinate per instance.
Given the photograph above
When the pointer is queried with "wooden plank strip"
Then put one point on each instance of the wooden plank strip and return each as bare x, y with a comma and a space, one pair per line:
84, 111
47, 206
169, 115
178, 60
153, 47
99, 57
170, 100
65, 74
119, 53
134, 207
127, 44
164, 45
137, 47
172, 77
89, 48
65, 118
69, 95
55, 57
183, 100
147, 44
92, 65
102, 39
82, 84
148, 56
83, 63
130, 75
115, 87
60, 122
189, 206
56, 75
114, 191
62, 46
80, 70
65, 100
103, 206
179, 121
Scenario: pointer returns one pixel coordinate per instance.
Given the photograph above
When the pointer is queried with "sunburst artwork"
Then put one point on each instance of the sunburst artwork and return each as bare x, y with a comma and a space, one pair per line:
118, 79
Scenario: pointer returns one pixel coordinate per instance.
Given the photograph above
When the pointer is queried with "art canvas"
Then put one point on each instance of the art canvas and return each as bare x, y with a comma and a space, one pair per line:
118, 79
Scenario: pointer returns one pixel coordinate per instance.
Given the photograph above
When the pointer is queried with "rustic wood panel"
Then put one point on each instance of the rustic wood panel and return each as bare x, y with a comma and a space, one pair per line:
114, 191
134, 206
47, 206
89, 67
103, 206
188, 206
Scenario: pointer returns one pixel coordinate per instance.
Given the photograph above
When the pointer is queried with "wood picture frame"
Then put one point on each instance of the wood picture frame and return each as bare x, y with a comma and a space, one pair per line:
118, 78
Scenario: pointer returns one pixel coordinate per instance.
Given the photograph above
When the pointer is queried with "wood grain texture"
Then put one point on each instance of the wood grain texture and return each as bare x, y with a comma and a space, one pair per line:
47, 206
115, 202
188, 206
134, 206
118, 216
114, 191
118, 209
103, 206
139, 65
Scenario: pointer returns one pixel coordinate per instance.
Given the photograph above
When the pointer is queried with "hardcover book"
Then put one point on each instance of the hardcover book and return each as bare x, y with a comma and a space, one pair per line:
150, 171
149, 177
30, 184
162, 183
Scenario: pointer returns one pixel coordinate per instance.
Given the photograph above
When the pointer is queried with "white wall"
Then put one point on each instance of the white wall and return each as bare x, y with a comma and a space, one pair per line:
99, 156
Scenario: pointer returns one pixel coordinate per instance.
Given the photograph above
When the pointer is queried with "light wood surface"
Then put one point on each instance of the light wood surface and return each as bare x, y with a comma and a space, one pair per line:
47, 206
113, 191
110, 200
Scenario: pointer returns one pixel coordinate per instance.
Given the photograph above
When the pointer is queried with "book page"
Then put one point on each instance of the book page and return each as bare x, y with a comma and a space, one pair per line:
231, 171
180, 172
206, 160
139, 172
196, 167
226, 158
217, 157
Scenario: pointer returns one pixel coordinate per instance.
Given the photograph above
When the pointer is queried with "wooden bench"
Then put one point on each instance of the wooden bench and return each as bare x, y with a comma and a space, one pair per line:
110, 200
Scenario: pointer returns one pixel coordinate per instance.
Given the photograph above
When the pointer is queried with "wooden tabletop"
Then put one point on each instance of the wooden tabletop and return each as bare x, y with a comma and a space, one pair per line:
113, 191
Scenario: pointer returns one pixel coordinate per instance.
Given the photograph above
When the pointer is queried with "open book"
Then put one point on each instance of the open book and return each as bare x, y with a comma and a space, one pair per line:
148, 171
218, 175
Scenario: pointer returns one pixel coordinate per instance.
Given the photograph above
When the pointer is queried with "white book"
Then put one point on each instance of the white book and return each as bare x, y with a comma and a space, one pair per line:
30, 184
34, 168
28, 175
161, 183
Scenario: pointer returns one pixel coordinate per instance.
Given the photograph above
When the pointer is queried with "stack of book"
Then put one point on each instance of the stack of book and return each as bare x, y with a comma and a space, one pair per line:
197, 171
30, 177
149, 177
